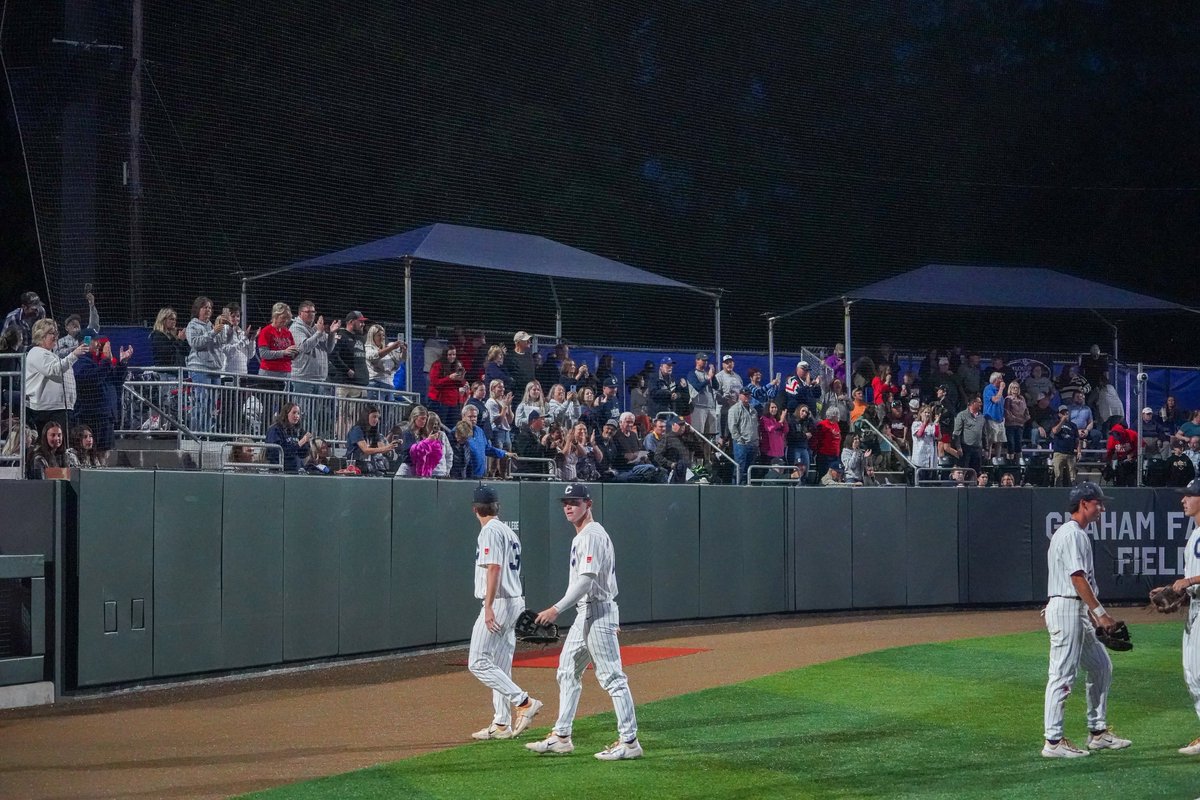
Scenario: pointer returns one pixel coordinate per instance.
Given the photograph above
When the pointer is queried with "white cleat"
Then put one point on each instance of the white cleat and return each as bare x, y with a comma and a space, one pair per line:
1064, 749
562, 745
1192, 749
1107, 741
525, 715
618, 751
494, 731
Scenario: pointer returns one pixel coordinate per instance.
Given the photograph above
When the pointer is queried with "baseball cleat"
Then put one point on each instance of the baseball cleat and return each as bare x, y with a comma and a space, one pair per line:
618, 751
552, 744
1063, 749
494, 731
525, 715
1192, 749
1107, 741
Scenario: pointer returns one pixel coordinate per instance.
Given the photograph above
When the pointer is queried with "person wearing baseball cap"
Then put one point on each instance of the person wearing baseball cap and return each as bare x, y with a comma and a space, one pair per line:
835, 474
1073, 613
519, 363
1180, 469
729, 384
1191, 579
501, 592
702, 392
1064, 446
592, 591
21, 321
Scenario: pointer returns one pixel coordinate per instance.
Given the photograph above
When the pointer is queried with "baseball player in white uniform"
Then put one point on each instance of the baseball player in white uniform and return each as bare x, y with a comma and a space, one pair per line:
593, 636
498, 585
1188, 583
1072, 598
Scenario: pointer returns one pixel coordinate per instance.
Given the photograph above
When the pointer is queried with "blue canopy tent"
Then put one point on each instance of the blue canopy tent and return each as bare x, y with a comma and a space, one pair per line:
989, 287
484, 248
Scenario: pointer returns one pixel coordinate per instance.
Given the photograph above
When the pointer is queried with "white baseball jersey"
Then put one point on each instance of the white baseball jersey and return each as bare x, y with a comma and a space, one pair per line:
1191, 634
1191, 558
498, 544
1070, 552
592, 556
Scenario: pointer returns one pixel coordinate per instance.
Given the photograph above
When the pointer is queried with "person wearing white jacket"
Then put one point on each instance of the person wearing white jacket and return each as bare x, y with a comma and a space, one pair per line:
925, 434
49, 380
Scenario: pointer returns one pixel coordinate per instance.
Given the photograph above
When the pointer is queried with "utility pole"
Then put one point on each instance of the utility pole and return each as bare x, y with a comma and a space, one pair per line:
134, 176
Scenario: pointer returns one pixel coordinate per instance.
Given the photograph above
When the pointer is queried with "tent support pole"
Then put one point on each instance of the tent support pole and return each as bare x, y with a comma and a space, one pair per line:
846, 333
244, 315
557, 313
1141, 402
770, 348
408, 371
717, 323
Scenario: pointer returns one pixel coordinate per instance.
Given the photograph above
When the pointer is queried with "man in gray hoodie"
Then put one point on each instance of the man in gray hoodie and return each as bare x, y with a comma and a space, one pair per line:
310, 367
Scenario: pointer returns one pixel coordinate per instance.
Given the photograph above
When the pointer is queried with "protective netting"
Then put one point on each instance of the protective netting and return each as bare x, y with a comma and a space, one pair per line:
781, 151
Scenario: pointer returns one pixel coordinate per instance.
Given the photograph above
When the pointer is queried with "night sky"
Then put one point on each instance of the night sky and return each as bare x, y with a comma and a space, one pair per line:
784, 151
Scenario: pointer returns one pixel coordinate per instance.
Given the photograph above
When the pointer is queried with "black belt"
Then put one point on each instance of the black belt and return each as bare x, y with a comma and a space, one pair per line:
1067, 596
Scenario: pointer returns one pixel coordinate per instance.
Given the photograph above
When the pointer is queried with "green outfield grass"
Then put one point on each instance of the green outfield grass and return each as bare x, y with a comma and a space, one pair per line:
955, 720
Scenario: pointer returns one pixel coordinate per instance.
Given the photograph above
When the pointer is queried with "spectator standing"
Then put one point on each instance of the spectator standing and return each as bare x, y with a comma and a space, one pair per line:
836, 361
168, 342
728, 386
1109, 407
435, 429
276, 347
314, 342
925, 435
970, 434
743, 430
607, 405
858, 405
50, 391
75, 330
1120, 454
238, 345
204, 362
799, 436
562, 409
494, 368
993, 412
970, 382
1094, 367
383, 359
1016, 417
478, 445
702, 389
348, 367
448, 386
639, 397
22, 320
1065, 440
802, 389
579, 456
295, 442
760, 393
1070, 383
884, 388
519, 361
773, 434
425, 455
499, 408
945, 388
665, 391
532, 400
99, 377
1038, 382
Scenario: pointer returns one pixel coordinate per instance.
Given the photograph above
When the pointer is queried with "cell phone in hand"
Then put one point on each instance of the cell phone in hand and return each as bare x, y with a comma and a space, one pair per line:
87, 340
87, 288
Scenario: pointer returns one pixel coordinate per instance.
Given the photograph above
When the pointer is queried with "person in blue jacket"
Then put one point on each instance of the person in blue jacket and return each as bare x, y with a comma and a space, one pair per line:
479, 445
293, 439
99, 376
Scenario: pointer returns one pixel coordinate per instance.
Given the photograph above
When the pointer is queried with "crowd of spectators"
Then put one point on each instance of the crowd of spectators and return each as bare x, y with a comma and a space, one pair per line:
493, 410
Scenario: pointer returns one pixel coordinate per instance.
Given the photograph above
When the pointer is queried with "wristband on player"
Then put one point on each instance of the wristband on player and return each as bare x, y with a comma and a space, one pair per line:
1099, 611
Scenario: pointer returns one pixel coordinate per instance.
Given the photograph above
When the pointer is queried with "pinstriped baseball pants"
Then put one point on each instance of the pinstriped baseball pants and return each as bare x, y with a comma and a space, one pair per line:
1073, 643
491, 656
1191, 654
593, 637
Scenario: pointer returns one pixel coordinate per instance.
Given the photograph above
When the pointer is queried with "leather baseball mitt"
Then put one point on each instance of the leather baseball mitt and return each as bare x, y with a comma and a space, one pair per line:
528, 630
1115, 637
1165, 600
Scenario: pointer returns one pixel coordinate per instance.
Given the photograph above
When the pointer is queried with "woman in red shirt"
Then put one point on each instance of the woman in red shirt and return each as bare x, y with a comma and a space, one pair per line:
448, 387
276, 347
884, 387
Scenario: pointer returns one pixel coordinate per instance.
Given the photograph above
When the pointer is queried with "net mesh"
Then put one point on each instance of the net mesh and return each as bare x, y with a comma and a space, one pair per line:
784, 152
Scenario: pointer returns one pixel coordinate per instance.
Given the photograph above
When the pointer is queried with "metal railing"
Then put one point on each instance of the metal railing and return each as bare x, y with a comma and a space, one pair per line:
167, 402
946, 476
13, 425
737, 469
783, 475
551, 474
863, 422
260, 462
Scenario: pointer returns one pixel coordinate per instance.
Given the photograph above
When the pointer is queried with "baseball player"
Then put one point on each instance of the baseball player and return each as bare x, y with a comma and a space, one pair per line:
593, 636
498, 585
1190, 579
1072, 591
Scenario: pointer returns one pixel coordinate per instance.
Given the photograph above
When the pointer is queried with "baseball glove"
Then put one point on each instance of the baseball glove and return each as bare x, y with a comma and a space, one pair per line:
1165, 600
1115, 637
529, 631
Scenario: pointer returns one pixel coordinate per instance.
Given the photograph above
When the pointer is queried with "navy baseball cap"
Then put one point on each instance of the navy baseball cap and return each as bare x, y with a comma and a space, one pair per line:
1192, 489
837, 465
534, 414
484, 494
611, 380
666, 360
576, 491
1087, 490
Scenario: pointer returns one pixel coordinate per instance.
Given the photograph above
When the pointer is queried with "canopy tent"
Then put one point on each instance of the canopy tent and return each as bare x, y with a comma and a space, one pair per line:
484, 248
989, 286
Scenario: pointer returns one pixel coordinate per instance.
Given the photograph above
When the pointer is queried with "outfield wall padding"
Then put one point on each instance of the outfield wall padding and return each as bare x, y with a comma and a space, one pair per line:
175, 573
